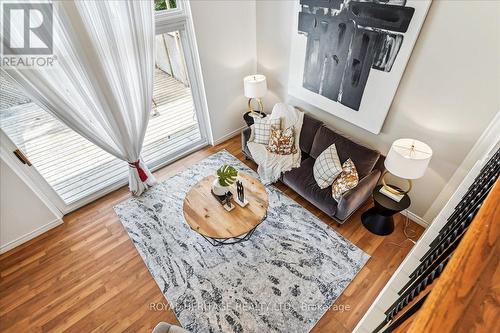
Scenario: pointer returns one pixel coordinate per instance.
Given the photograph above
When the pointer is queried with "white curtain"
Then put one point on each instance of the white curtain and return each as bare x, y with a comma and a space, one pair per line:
101, 83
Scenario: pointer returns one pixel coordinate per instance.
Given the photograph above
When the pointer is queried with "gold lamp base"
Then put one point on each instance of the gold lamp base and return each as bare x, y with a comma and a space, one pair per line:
255, 113
393, 190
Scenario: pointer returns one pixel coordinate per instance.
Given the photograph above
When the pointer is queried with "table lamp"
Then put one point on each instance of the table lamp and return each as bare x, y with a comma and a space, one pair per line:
407, 159
255, 87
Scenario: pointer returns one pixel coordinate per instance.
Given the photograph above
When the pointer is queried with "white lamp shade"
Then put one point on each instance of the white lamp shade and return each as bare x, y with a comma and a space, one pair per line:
408, 158
255, 86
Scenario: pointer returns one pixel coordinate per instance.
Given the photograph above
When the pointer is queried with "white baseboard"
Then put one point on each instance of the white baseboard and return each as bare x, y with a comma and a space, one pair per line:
229, 135
414, 217
23, 239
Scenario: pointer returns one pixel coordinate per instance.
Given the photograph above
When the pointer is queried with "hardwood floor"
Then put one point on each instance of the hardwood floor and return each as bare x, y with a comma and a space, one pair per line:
86, 275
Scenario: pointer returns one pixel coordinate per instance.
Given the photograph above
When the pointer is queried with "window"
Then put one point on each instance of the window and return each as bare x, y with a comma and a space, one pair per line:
165, 4
74, 170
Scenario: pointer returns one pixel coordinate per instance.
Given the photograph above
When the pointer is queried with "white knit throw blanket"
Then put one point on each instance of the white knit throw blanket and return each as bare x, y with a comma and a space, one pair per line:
270, 166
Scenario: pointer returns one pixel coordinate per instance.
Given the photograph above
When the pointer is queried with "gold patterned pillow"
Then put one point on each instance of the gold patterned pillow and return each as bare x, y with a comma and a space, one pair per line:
347, 180
282, 142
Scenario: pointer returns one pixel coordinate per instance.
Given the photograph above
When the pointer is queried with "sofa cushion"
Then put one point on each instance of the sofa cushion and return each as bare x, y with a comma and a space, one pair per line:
309, 128
363, 157
302, 181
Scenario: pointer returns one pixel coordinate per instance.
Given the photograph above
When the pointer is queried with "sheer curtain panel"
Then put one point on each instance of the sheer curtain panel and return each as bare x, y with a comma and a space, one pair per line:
101, 82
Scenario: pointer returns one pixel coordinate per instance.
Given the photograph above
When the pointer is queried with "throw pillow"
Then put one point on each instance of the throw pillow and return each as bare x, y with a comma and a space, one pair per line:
262, 129
327, 167
348, 179
282, 142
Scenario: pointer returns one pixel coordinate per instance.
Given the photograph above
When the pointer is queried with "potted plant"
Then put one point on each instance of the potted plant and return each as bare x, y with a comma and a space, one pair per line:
226, 176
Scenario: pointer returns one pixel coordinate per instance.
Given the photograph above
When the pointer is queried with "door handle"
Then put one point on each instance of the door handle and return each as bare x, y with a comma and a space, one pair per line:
20, 155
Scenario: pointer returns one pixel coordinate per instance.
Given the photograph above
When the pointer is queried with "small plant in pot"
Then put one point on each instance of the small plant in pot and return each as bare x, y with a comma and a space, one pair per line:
226, 176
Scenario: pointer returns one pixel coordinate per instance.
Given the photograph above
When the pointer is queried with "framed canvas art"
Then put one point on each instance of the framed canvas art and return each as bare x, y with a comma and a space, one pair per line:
348, 56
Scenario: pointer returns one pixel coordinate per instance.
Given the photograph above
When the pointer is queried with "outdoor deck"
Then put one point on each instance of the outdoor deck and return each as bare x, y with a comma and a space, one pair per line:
73, 166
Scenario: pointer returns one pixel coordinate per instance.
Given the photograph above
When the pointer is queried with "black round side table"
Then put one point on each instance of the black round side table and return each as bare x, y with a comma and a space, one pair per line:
249, 119
378, 219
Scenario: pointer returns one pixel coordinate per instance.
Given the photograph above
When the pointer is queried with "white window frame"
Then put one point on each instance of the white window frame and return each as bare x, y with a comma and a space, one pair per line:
176, 19
180, 19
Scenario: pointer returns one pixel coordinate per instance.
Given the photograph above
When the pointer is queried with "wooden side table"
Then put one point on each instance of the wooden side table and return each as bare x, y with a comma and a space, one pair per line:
205, 215
378, 219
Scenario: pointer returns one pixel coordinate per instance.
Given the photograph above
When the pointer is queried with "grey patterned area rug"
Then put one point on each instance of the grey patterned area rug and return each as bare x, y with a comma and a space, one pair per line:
283, 279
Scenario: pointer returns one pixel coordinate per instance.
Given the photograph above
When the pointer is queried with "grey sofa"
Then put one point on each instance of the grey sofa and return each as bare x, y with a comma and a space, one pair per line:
314, 138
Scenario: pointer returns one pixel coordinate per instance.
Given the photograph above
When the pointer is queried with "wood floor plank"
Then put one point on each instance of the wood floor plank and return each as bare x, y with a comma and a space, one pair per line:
86, 275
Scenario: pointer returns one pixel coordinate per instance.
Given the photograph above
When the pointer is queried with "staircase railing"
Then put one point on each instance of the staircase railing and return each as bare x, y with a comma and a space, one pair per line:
455, 288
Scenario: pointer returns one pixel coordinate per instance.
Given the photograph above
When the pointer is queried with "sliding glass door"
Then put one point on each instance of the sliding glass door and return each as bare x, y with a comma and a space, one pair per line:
174, 121
71, 170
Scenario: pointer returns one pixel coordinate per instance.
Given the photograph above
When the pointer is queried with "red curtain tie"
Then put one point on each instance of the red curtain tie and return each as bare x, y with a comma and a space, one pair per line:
140, 171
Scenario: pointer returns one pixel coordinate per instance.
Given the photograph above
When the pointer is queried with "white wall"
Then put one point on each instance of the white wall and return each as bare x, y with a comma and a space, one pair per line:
447, 96
489, 138
225, 35
22, 214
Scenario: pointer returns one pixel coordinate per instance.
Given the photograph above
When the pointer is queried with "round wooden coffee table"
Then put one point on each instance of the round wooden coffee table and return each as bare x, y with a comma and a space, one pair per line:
205, 215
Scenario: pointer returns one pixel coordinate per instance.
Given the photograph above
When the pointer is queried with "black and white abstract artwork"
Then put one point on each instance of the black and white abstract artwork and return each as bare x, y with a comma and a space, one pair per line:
348, 56
283, 279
